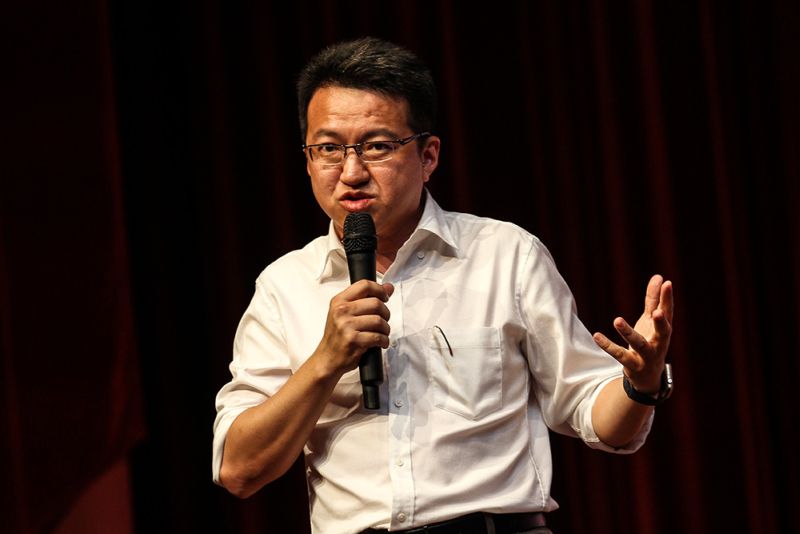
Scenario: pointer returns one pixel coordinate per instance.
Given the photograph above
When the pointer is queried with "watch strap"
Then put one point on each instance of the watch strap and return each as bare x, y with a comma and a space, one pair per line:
664, 391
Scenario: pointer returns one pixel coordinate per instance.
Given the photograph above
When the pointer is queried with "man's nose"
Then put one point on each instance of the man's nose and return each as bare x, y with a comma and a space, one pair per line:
353, 169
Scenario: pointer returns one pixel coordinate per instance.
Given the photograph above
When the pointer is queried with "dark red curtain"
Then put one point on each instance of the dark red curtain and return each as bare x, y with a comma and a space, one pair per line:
152, 169
71, 401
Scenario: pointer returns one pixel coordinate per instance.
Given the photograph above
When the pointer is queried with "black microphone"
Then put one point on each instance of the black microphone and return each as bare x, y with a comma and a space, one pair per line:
360, 243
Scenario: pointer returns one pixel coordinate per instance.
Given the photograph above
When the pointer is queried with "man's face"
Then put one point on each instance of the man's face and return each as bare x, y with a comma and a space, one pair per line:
390, 191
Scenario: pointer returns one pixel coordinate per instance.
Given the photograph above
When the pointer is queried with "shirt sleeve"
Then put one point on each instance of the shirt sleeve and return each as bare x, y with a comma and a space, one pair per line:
568, 369
259, 368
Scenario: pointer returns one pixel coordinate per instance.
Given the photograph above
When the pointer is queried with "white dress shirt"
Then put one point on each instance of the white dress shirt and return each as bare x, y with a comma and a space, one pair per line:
455, 433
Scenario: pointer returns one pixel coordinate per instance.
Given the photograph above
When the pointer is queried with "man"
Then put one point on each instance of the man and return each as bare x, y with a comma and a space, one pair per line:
482, 348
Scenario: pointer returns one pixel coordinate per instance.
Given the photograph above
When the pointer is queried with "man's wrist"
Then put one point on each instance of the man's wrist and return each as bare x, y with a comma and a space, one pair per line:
651, 399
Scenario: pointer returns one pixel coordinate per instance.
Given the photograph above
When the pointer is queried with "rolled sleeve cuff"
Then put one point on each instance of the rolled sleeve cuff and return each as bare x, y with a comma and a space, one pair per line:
587, 434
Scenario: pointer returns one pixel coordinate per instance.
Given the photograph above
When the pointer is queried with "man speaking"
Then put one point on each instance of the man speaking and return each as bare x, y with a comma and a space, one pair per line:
482, 351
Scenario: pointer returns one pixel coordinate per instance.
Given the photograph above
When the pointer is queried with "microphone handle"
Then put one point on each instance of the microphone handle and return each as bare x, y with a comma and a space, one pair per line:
362, 267
370, 368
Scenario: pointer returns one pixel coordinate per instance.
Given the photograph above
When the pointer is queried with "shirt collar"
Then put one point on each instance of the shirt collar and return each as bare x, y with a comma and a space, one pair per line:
333, 262
433, 223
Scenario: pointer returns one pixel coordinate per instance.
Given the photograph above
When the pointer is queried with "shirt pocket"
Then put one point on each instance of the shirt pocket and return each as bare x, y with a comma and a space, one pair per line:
468, 382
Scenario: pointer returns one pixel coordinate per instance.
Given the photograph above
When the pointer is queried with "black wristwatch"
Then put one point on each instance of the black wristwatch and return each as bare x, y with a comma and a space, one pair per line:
643, 398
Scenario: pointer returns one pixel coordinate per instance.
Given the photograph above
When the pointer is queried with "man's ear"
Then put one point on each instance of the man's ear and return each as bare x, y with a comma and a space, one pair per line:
430, 155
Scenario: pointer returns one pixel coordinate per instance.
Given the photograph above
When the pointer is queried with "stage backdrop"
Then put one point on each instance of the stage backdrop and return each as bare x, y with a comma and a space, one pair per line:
152, 167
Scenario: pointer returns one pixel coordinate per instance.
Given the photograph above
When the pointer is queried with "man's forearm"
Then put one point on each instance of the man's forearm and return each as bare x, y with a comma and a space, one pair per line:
616, 418
265, 440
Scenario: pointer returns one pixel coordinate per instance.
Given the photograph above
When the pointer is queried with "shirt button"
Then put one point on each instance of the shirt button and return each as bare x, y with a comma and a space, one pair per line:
400, 462
393, 343
398, 403
401, 517
420, 254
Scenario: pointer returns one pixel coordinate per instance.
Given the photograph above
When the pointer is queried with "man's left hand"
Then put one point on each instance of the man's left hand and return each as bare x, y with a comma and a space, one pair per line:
648, 340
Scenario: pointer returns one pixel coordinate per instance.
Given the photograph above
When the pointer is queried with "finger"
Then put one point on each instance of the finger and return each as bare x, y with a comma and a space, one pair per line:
667, 304
662, 325
358, 332
652, 295
389, 288
369, 306
618, 353
365, 288
636, 340
368, 340
663, 332
371, 324
342, 313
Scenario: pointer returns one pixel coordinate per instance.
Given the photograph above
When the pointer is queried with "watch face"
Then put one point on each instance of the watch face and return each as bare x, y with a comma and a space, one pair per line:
666, 382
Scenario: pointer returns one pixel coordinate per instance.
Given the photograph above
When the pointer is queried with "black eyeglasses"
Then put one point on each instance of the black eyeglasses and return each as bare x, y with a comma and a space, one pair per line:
333, 155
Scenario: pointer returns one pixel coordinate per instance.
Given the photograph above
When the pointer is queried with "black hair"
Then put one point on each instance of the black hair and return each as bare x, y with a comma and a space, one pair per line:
375, 65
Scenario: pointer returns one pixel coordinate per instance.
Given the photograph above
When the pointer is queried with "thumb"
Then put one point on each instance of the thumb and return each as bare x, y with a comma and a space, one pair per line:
389, 288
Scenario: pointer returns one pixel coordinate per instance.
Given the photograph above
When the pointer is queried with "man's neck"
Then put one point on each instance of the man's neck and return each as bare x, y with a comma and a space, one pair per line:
382, 263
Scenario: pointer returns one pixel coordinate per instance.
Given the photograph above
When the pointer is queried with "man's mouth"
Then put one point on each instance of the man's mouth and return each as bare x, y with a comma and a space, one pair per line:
355, 201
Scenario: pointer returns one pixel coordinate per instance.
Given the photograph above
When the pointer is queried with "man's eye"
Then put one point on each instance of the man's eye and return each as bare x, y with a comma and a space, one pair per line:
378, 146
327, 149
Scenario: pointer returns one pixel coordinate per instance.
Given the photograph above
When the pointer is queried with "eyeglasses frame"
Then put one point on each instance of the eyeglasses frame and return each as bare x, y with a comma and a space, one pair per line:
358, 148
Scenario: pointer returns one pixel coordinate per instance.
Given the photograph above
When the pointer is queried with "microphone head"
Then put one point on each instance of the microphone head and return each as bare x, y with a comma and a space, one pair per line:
359, 233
